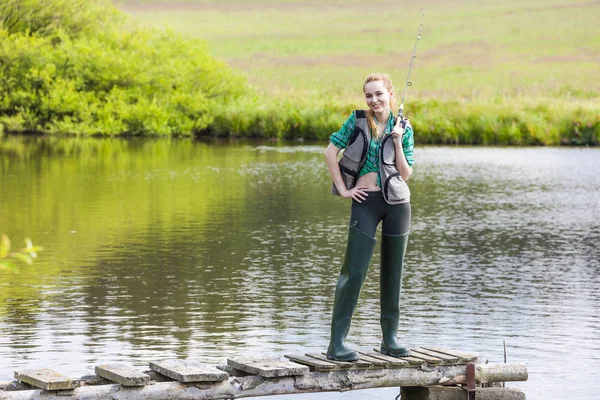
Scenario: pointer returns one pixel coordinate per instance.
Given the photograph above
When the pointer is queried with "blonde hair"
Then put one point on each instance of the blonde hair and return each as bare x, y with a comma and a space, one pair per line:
387, 82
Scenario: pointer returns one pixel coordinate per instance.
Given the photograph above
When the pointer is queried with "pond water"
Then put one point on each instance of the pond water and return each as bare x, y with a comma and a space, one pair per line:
166, 248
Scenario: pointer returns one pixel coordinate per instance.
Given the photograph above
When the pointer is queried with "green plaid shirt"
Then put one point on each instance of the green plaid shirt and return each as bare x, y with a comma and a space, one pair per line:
341, 138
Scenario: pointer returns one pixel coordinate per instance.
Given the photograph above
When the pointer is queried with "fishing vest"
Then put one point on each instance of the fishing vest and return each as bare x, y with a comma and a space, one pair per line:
393, 187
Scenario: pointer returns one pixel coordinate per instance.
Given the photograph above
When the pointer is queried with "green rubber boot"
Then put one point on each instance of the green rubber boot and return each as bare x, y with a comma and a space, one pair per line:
393, 248
352, 276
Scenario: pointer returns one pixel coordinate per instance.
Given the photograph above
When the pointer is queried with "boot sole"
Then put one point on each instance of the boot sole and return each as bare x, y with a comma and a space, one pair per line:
351, 357
392, 354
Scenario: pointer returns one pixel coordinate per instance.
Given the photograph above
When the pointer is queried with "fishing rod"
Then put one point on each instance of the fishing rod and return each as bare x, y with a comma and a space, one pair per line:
408, 82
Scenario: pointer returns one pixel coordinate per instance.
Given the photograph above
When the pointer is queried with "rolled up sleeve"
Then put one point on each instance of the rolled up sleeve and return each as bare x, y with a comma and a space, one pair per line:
341, 138
408, 146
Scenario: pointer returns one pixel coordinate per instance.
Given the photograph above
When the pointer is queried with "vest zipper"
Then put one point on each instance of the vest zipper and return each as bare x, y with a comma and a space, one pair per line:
363, 156
385, 139
381, 163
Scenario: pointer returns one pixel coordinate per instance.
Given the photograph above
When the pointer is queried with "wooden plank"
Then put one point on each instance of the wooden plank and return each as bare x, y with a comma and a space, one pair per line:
122, 374
46, 379
445, 359
188, 371
341, 364
412, 360
360, 363
256, 386
393, 362
376, 362
272, 368
338, 364
463, 357
425, 357
312, 363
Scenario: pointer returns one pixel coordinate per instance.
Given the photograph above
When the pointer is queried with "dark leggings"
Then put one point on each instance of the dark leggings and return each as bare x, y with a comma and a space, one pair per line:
366, 216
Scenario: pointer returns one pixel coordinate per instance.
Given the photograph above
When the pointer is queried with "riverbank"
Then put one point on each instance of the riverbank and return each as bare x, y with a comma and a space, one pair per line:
494, 122
517, 73
523, 122
486, 74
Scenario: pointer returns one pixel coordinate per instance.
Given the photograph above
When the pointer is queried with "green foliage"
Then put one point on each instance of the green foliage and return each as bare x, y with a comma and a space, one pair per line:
486, 72
280, 119
82, 72
435, 122
511, 122
26, 255
45, 18
84, 67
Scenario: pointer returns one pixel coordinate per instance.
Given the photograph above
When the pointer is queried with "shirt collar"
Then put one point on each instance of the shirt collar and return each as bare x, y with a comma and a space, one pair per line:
390, 124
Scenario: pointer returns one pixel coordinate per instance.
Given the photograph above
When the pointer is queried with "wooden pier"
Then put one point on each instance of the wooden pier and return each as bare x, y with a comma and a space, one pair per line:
253, 377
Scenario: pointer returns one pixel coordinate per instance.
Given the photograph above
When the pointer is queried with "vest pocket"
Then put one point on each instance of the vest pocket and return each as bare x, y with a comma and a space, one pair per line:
395, 189
355, 153
349, 176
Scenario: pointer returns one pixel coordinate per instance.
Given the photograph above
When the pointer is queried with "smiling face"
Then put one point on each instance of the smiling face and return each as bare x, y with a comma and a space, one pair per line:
377, 96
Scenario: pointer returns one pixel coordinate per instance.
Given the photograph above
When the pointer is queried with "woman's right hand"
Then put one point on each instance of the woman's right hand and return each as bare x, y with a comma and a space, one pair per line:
356, 193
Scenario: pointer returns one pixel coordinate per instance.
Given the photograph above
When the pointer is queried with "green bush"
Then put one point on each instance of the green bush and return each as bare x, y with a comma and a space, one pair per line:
450, 122
513, 122
47, 17
278, 119
84, 68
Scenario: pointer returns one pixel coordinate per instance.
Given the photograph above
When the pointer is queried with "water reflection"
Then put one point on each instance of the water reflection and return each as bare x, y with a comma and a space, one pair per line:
178, 248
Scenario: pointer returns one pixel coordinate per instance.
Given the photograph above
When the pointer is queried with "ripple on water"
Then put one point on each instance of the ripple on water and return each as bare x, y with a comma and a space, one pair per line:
217, 257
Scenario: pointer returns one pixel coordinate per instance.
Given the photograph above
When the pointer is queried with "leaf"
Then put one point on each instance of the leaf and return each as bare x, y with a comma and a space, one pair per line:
7, 266
31, 249
4, 246
25, 258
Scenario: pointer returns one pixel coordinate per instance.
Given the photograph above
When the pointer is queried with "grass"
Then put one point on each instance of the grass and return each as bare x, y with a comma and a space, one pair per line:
513, 72
516, 72
470, 49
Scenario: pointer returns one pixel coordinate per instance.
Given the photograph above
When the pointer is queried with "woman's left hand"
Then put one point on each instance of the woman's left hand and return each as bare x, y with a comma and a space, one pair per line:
398, 132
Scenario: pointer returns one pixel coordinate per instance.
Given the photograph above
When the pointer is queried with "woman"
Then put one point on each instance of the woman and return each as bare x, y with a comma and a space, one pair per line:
371, 205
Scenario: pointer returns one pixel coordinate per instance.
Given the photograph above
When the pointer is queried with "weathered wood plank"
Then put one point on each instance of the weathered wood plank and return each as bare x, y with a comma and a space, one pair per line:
255, 386
341, 364
188, 371
360, 363
425, 357
410, 359
46, 379
446, 359
463, 357
272, 368
122, 374
338, 364
312, 363
376, 362
393, 362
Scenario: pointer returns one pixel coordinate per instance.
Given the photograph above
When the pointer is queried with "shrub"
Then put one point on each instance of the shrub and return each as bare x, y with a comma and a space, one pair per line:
87, 69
